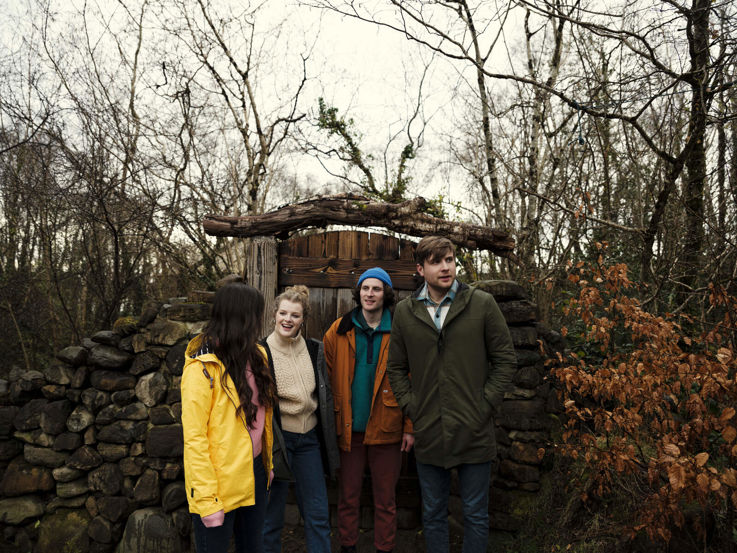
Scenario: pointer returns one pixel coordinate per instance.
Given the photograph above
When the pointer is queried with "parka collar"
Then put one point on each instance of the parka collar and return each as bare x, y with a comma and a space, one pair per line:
461, 287
459, 303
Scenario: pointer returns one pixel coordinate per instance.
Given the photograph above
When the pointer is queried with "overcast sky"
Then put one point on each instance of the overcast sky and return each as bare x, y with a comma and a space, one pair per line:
371, 74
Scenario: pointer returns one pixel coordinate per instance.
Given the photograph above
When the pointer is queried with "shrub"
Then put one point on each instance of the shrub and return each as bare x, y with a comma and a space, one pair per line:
649, 401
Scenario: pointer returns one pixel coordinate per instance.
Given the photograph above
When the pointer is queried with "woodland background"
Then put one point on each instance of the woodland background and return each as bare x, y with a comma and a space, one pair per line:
602, 135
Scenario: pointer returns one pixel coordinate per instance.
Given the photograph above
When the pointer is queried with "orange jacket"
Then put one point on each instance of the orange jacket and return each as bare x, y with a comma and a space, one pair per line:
386, 423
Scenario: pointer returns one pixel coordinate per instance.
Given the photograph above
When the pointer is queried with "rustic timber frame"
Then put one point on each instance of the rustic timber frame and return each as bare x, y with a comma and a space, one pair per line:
329, 263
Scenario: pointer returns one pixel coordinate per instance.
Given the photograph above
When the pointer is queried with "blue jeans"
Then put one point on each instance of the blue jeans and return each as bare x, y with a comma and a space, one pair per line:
303, 454
245, 524
474, 490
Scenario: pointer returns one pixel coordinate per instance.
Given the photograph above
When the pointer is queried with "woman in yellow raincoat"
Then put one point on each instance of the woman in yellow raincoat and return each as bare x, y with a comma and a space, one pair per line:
227, 400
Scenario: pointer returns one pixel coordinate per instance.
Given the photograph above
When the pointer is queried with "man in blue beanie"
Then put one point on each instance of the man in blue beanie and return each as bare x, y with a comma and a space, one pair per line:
368, 420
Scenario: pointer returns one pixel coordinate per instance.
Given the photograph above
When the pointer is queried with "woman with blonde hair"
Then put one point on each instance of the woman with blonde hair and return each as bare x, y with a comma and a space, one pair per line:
304, 414
227, 399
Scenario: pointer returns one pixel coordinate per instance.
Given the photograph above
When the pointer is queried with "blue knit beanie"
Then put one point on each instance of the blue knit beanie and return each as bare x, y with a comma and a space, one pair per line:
375, 272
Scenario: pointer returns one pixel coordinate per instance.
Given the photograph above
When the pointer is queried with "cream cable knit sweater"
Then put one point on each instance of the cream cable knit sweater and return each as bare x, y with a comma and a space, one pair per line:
295, 380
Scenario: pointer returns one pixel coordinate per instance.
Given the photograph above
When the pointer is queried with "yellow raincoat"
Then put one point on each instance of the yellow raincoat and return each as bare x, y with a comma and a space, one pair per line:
218, 453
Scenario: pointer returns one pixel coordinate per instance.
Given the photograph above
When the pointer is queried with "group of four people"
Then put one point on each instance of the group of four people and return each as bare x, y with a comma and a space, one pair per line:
256, 415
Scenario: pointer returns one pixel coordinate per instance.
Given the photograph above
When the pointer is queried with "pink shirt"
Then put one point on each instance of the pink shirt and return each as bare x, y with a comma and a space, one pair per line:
257, 430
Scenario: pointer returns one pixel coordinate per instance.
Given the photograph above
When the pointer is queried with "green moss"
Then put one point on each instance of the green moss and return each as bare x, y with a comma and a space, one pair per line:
67, 527
125, 325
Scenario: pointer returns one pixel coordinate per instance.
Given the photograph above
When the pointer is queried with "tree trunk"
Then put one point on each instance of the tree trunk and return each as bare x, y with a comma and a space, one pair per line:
698, 33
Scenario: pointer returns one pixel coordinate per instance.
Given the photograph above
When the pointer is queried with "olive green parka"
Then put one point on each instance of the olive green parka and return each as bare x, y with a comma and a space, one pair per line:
449, 382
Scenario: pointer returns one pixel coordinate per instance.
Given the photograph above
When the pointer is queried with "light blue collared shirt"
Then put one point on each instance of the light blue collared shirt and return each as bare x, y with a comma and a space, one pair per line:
438, 311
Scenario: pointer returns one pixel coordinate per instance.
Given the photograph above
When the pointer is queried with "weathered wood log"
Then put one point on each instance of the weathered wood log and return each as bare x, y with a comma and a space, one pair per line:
348, 209
261, 273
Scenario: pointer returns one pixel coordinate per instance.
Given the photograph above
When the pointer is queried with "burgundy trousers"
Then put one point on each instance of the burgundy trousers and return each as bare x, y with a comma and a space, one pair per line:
384, 462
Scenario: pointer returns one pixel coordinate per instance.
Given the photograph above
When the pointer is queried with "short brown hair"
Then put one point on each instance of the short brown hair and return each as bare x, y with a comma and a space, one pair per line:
432, 247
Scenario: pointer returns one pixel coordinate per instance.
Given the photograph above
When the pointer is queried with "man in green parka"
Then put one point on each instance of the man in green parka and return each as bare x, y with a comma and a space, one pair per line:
450, 361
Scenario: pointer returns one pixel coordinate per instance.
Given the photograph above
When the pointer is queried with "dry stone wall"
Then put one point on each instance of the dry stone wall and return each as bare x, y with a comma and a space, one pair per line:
91, 445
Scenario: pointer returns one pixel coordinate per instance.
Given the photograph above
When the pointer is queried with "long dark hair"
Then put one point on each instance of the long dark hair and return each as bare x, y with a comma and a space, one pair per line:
232, 332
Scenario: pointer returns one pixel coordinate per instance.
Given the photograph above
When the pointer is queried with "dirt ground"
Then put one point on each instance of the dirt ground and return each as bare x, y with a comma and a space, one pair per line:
408, 541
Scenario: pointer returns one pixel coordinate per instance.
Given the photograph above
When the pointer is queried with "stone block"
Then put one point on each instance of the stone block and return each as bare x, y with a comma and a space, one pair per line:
528, 436
163, 332
95, 399
66, 474
144, 362
518, 472
112, 453
21, 478
7, 415
175, 357
131, 466
18, 510
526, 452
523, 336
527, 377
111, 381
53, 392
85, 458
146, 490
171, 471
523, 415
74, 355
182, 521
57, 503
126, 344
100, 529
80, 419
173, 496
115, 508
502, 290
122, 432
139, 343
79, 379
44, 456
28, 416
189, 312
123, 397
150, 530
134, 412
35, 437
59, 374
165, 441
67, 441
64, 531
162, 414
151, 388
10, 449
108, 357
149, 312
107, 337
72, 489
106, 478
518, 311
519, 393
54, 416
